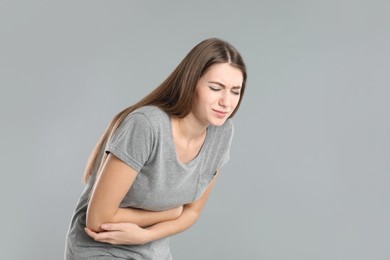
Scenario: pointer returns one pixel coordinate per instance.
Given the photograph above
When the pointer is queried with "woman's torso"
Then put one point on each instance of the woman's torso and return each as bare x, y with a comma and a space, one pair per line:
162, 182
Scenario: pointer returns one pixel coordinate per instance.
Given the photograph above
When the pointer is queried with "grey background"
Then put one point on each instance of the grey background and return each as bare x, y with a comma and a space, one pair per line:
309, 171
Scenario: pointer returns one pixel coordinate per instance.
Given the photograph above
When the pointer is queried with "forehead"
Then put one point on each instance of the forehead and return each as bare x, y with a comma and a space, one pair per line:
224, 73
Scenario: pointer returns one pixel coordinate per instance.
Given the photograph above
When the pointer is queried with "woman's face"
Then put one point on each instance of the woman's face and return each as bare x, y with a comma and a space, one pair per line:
217, 94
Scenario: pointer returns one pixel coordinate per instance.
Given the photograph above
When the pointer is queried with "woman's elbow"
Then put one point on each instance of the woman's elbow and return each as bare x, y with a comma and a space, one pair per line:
94, 222
192, 213
94, 226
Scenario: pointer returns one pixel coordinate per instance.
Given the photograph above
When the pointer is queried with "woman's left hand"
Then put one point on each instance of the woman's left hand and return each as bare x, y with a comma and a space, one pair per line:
120, 234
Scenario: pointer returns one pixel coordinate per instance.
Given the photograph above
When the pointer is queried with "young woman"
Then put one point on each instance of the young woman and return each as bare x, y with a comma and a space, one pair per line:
151, 173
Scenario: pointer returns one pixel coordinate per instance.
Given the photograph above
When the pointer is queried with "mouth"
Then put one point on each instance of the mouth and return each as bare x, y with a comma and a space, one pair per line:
221, 114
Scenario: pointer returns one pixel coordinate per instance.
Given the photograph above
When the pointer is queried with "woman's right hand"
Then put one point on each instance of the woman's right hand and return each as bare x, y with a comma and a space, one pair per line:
120, 234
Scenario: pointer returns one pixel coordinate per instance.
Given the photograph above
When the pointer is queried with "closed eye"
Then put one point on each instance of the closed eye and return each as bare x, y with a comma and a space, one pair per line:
214, 88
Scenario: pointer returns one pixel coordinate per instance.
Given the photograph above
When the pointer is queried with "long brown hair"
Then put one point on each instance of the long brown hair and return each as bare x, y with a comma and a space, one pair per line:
176, 93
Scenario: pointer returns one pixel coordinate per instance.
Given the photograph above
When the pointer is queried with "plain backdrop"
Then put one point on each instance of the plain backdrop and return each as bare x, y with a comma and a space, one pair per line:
309, 172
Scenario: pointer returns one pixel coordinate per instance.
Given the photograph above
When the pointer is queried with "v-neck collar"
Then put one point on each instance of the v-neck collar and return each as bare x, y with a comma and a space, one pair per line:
173, 146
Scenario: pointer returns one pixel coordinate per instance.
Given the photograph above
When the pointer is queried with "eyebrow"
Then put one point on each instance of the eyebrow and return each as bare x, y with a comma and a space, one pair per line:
222, 85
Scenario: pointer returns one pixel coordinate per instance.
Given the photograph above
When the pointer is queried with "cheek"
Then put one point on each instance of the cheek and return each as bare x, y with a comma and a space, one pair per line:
200, 101
235, 101
207, 98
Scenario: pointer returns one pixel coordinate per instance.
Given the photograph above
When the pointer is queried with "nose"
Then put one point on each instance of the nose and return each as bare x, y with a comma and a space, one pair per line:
224, 99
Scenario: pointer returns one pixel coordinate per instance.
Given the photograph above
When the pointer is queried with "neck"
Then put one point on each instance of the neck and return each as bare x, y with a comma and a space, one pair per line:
189, 128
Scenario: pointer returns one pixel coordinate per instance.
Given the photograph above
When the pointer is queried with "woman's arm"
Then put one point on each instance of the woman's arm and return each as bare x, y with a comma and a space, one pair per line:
112, 185
128, 233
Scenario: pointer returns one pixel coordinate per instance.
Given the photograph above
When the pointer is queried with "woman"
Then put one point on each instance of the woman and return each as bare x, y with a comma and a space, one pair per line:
151, 173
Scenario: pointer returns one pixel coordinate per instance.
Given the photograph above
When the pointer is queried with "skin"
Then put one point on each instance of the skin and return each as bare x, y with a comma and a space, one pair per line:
217, 95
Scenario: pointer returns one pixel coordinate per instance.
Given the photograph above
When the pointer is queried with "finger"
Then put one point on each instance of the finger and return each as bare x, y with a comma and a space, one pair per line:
96, 236
90, 232
101, 237
107, 237
109, 226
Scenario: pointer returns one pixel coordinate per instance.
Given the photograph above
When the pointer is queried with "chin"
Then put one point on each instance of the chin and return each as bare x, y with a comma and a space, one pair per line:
219, 122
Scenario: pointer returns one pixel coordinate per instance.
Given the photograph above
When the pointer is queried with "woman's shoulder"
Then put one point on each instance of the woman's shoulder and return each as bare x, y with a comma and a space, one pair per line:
147, 117
149, 111
152, 113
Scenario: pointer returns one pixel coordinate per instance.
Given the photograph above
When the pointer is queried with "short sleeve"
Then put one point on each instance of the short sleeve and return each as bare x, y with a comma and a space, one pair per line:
132, 141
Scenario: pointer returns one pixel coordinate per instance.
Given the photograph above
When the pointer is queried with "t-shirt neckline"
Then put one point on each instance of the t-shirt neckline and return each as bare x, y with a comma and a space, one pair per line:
173, 146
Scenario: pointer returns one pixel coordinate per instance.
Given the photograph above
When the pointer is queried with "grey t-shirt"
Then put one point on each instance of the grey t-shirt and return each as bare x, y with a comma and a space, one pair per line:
145, 142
